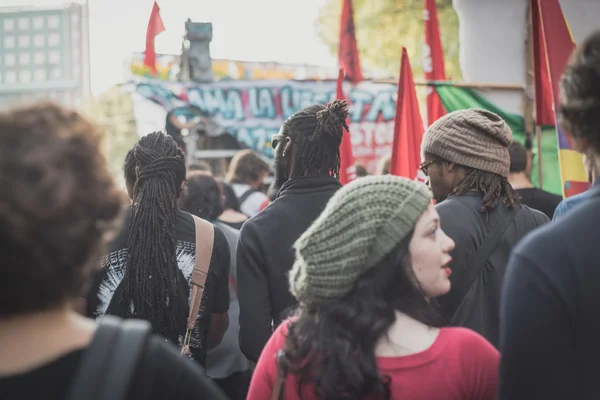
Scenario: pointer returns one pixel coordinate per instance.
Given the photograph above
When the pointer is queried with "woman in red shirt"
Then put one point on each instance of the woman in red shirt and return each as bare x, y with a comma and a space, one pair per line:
365, 275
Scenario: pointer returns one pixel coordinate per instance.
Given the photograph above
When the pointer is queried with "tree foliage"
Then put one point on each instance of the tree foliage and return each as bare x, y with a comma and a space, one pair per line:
384, 26
114, 111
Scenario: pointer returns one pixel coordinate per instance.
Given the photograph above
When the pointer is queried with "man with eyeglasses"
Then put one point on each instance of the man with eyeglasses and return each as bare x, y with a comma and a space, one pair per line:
466, 161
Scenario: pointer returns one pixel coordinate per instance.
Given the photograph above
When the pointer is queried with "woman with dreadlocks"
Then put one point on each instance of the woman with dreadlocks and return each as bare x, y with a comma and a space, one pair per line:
466, 161
147, 271
307, 164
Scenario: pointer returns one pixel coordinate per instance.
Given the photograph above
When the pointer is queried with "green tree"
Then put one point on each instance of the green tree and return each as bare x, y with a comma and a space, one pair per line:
113, 110
384, 26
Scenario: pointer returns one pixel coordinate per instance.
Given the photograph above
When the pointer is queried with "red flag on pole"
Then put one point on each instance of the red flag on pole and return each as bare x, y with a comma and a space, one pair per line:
347, 169
408, 125
433, 61
348, 50
553, 45
543, 92
155, 26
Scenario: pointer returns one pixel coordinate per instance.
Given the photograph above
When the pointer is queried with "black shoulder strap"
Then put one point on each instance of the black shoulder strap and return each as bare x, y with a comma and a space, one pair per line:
483, 253
246, 194
109, 363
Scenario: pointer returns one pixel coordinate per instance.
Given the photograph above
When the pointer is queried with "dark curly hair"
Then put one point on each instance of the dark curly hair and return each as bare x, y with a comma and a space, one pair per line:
246, 167
155, 169
492, 187
316, 132
57, 204
579, 111
332, 346
202, 196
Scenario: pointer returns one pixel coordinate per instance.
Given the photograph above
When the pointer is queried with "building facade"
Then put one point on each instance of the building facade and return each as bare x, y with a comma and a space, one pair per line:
44, 55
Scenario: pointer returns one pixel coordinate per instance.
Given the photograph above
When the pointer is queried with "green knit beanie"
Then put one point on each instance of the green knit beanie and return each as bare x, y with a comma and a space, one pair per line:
361, 224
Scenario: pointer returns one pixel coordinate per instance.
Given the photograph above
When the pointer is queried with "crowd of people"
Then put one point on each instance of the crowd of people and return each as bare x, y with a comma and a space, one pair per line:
475, 285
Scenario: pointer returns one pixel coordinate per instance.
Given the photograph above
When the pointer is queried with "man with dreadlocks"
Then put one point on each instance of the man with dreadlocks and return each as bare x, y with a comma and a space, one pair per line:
466, 161
307, 165
147, 271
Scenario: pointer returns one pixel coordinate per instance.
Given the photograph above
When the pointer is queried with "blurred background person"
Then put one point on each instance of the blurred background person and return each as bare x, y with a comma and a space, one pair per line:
231, 214
246, 174
225, 363
519, 178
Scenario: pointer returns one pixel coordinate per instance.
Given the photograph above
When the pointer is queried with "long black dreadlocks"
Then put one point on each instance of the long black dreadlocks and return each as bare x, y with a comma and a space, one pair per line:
491, 186
317, 133
155, 168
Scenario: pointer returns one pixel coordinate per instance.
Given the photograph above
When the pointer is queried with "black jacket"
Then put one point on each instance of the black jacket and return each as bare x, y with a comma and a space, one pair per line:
462, 220
265, 256
550, 302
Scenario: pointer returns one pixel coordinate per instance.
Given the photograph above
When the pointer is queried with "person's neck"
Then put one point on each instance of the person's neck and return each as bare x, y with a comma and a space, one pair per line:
406, 336
519, 181
232, 216
31, 340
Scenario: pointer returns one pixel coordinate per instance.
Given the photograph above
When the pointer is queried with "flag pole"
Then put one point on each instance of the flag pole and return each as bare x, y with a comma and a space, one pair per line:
530, 100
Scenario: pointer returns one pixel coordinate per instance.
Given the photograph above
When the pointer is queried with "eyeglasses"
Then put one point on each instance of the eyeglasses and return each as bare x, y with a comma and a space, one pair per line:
275, 139
425, 166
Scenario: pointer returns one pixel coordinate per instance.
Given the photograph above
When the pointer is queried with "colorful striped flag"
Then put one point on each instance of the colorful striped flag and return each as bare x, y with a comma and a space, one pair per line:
552, 38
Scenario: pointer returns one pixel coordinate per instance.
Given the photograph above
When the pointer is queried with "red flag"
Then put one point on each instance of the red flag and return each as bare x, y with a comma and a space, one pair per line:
347, 169
408, 125
348, 50
543, 92
155, 26
553, 38
433, 61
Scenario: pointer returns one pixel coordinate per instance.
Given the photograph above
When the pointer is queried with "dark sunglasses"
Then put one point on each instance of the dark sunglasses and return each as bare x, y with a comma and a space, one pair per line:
275, 139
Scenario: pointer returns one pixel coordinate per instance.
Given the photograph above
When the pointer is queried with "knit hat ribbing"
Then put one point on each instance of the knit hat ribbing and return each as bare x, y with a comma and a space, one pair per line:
474, 138
360, 225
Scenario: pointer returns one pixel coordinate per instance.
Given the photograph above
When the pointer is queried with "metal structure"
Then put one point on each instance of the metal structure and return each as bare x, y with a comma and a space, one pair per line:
44, 54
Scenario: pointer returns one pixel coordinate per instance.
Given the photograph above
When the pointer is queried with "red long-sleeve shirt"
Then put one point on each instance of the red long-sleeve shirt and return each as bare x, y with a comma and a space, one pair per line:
459, 365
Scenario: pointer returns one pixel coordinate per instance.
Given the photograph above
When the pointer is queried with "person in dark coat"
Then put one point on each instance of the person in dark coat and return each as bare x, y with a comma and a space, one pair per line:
551, 295
466, 162
307, 165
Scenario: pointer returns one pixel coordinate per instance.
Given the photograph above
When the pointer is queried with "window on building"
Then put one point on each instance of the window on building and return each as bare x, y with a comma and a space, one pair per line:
40, 74
24, 41
53, 22
10, 59
54, 57
23, 24
39, 40
24, 59
9, 42
9, 25
10, 76
25, 76
53, 39
38, 23
39, 58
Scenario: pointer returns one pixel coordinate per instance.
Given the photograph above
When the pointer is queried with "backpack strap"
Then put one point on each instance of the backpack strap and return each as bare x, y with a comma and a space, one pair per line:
205, 237
480, 258
246, 194
109, 363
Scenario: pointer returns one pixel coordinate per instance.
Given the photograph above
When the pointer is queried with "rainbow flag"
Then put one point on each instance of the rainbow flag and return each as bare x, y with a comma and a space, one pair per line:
553, 45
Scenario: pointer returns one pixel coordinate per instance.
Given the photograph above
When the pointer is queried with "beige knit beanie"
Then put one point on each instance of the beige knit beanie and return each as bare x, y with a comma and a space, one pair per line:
474, 138
360, 225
